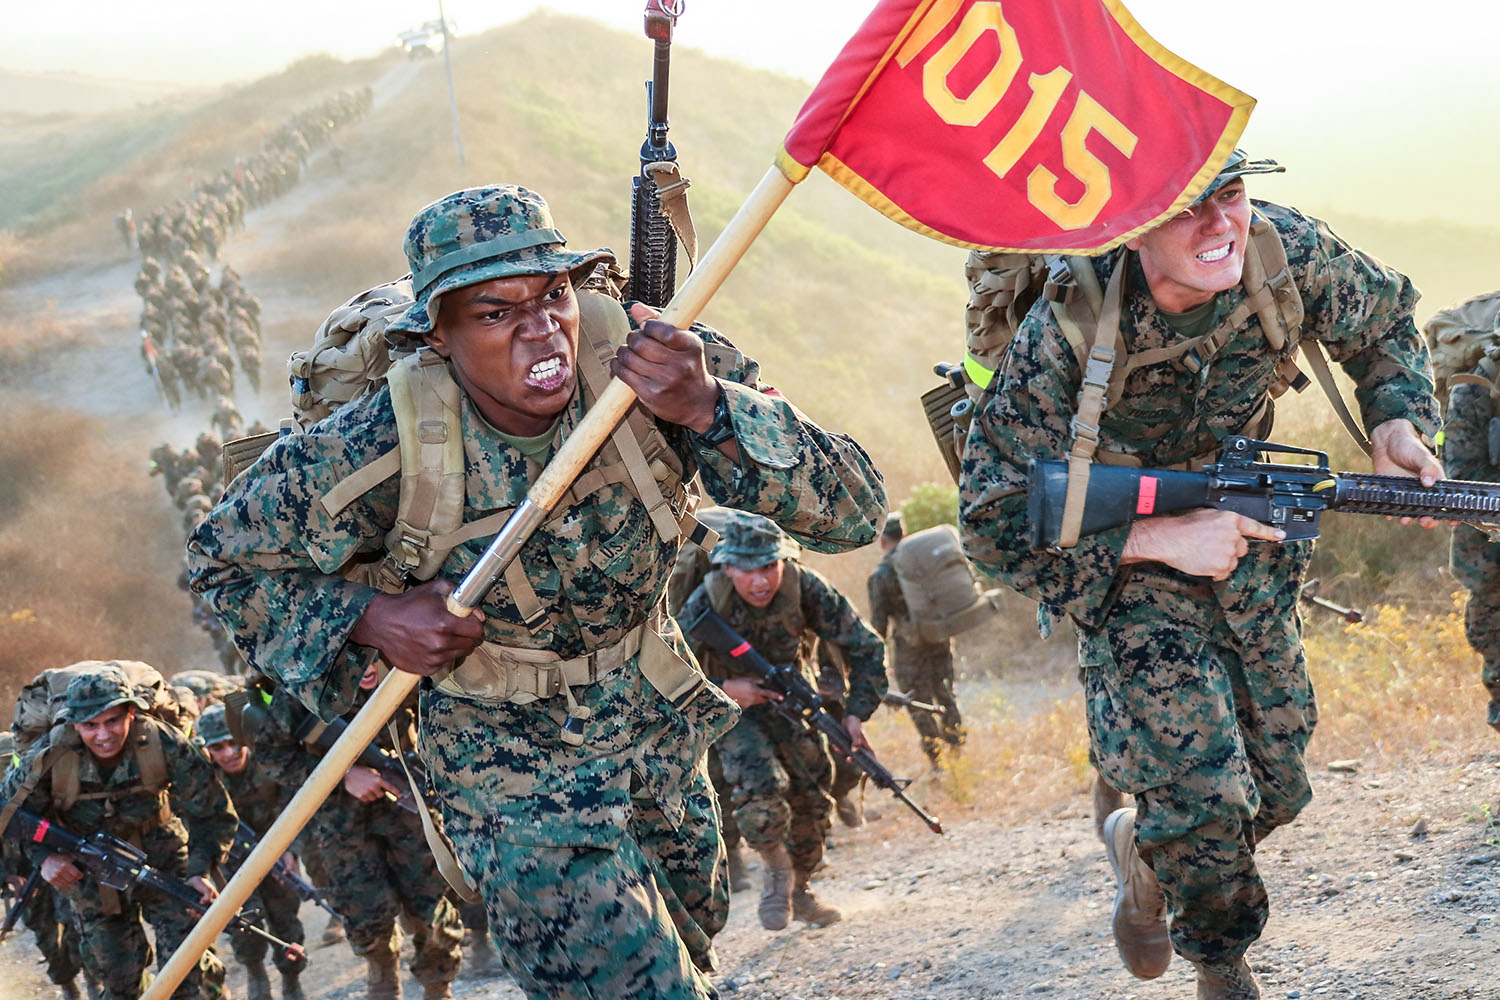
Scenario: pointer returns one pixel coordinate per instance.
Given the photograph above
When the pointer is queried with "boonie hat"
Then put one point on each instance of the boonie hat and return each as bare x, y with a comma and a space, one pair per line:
749, 541
212, 726
1238, 165
92, 693
481, 233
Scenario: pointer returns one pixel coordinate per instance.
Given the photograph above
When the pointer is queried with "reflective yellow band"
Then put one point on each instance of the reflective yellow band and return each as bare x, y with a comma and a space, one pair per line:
1439, 438
978, 373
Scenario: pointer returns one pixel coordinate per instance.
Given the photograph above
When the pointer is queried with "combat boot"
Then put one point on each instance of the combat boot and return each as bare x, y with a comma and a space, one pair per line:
1106, 801
1140, 917
1230, 981
739, 876
805, 905
775, 888
68, 990
851, 812
333, 933
437, 991
291, 986
91, 987
382, 977
258, 986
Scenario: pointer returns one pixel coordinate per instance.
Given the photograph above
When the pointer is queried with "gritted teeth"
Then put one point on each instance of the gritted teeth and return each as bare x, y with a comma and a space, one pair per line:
1215, 255
546, 369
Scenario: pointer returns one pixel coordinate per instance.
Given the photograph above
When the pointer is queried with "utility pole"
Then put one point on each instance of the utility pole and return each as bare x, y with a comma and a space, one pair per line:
458, 136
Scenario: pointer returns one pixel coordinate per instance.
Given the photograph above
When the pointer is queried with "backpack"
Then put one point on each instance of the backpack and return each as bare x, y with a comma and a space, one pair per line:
942, 597
1462, 338
692, 562
40, 704
1003, 287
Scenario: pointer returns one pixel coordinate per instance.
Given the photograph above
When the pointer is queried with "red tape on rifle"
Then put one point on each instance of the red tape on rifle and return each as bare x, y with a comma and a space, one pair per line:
41, 830
1145, 500
740, 650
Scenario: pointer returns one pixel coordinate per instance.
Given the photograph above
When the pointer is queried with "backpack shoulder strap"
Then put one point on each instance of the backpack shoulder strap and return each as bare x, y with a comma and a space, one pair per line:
429, 427
719, 588
150, 758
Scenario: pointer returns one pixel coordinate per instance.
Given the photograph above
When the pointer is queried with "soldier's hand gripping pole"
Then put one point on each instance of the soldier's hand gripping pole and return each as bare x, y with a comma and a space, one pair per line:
590, 434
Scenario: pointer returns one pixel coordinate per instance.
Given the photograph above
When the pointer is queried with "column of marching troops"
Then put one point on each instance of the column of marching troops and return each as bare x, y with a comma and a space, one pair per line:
196, 331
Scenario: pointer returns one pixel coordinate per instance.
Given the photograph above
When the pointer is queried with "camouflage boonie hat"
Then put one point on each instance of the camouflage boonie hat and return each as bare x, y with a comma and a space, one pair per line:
478, 234
1239, 164
749, 541
212, 726
92, 693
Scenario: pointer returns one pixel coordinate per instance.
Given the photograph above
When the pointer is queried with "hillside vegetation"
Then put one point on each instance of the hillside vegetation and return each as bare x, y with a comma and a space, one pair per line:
846, 311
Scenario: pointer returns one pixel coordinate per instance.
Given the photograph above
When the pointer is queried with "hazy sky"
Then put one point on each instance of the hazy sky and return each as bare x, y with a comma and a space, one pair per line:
1335, 73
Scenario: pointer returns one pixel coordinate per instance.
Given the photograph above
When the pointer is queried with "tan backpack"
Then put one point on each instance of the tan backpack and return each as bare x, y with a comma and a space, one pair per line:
1462, 338
942, 597
41, 702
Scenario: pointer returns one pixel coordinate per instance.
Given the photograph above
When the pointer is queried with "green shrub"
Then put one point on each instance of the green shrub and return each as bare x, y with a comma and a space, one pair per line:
930, 504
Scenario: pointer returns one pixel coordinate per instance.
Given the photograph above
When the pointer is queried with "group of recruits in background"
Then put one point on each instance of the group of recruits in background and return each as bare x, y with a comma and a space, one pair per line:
194, 332
365, 849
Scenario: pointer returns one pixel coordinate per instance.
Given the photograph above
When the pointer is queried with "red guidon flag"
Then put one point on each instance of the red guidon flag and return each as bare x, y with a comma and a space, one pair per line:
1042, 126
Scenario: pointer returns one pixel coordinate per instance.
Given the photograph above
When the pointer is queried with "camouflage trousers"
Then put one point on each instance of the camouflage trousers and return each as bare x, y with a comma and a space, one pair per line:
724, 791
926, 673
1482, 626
783, 773
278, 907
48, 918
586, 923
115, 950
1210, 741
380, 871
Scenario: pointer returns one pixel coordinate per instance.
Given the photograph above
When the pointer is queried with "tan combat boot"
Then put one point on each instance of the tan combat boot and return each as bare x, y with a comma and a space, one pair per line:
1140, 917
775, 888
333, 933
1232, 981
805, 905
850, 811
739, 876
1106, 801
69, 989
437, 991
382, 977
259, 985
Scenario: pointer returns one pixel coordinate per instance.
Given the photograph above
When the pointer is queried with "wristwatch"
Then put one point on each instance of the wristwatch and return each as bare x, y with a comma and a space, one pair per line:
721, 429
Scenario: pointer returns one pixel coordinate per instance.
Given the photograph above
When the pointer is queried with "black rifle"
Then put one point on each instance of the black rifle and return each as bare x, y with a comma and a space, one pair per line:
23, 898
653, 244
120, 866
906, 701
1309, 594
1290, 497
315, 735
801, 703
245, 841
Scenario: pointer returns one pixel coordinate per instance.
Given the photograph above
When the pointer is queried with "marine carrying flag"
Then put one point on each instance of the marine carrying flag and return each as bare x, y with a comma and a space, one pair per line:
1041, 126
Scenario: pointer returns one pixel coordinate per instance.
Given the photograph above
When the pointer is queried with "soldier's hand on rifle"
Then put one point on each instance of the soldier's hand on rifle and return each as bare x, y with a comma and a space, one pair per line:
856, 730
205, 889
415, 632
1201, 542
747, 693
1397, 450
665, 368
59, 872
366, 784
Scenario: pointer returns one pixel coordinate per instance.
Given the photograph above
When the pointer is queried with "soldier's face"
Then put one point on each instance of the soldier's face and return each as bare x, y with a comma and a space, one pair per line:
1198, 253
514, 346
229, 755
104, 734
757, 587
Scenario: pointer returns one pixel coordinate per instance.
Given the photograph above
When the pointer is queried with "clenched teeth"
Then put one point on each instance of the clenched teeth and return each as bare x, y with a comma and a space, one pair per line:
546, 369
1212, 256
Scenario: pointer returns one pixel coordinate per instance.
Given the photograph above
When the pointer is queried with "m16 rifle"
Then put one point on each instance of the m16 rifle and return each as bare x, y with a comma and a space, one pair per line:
245, 840
801, 703
1290, 497
320, 736
120, 866
17, 900
905, 700
658, 207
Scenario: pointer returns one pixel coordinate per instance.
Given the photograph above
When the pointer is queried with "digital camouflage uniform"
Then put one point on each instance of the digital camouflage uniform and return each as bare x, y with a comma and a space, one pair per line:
186, 840
922, 669
1197, 696
781, 771
258, 800
1475, 559
380, 873
587, 856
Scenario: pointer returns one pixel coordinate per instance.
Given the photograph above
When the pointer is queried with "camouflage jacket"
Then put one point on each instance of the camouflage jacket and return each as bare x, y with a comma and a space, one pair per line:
266, 558
199, 827
1357, 308
777, 632
258, 798
1466, 455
